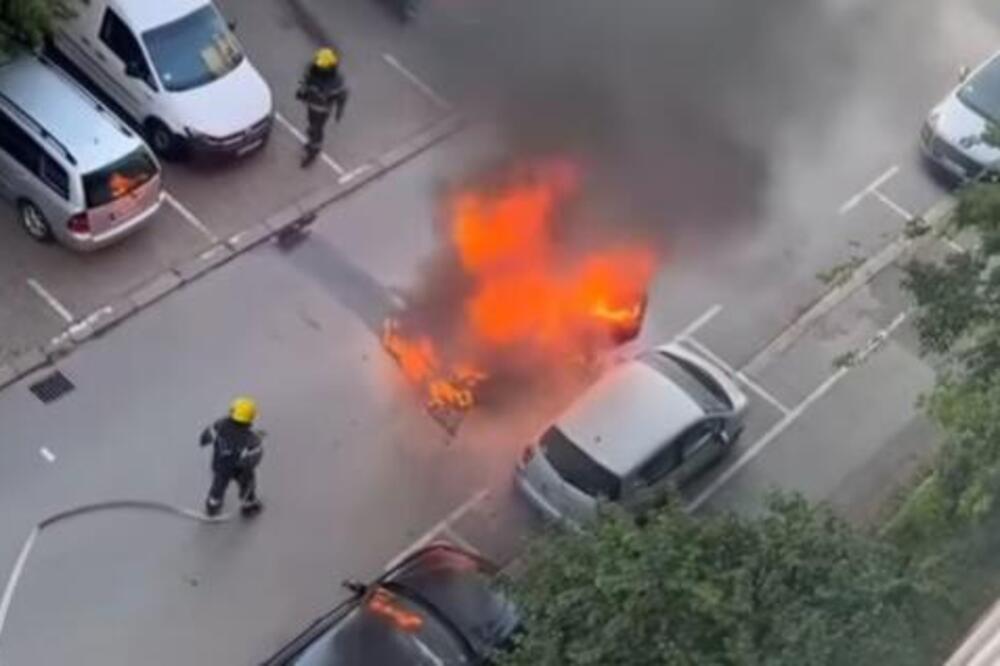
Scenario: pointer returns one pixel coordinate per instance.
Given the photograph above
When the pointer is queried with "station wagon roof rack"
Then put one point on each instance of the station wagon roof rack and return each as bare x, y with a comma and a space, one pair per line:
44, 133
98, 104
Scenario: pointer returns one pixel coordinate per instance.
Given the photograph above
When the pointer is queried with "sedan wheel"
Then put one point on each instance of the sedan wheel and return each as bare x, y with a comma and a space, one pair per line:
34, 222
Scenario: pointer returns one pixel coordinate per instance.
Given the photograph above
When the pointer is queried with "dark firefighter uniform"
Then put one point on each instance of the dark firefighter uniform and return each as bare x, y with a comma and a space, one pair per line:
236, 452
323, 90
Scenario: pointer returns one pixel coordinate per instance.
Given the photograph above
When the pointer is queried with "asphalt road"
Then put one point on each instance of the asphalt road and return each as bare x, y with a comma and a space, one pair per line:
356, 472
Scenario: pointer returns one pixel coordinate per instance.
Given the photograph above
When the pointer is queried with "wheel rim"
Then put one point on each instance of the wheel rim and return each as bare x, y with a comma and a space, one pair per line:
161, 140
33, 221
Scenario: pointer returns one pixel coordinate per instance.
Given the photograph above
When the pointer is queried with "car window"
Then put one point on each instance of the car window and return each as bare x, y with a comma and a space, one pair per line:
193, 50
117, 36
661, 464
119, 178
694, 381
577, 468
55, 176
696, 438
19, 144
386, 628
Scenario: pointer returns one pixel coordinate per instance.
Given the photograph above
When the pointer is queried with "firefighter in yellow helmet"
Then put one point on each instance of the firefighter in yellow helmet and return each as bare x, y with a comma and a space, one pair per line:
323, 90
236, 451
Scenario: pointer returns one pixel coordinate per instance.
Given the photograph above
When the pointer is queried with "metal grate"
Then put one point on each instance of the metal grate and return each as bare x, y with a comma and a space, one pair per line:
52, 387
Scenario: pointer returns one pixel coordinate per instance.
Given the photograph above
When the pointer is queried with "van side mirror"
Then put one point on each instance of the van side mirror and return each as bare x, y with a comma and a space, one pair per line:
963, 73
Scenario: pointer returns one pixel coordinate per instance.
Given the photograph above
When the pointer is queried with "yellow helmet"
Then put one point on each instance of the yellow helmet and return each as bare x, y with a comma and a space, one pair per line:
243, 410
326, 58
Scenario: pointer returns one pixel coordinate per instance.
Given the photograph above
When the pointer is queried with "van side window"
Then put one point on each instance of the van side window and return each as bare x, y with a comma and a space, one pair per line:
116, 35
55, 176
19, 144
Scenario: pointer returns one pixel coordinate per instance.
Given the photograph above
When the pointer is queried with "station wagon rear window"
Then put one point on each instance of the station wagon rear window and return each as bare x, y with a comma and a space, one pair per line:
119, 178
577, 468
694, 381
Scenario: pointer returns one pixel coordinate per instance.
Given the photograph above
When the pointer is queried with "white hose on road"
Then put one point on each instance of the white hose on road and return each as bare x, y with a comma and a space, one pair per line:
29, 543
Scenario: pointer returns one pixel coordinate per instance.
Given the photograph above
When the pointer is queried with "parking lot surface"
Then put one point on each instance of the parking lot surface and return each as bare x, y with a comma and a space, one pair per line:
792, 286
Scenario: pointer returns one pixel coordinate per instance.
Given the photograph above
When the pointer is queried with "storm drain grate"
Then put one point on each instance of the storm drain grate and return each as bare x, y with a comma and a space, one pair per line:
52, 387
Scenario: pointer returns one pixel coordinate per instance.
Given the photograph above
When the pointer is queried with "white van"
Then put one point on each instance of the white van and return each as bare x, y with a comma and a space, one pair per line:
176, 68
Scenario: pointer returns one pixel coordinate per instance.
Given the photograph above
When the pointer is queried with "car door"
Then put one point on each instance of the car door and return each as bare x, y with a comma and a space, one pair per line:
700, 446
128, 76
655, 480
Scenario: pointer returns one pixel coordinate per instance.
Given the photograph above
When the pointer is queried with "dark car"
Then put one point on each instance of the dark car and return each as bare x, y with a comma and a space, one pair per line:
438, 607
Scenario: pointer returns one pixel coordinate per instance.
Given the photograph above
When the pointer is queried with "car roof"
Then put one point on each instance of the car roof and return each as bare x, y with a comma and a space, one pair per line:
143, 15
92, 135
624, 418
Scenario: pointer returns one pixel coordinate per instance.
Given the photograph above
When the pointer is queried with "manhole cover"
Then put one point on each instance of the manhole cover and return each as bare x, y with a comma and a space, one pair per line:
52, 387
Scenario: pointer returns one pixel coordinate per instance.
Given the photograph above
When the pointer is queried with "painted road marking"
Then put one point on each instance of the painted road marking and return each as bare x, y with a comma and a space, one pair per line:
190, 217
851, 203
739, 375
415, 80
893, 206
755, 449
434, 531
294, 131
700, 322
48, 455
51, 300
351, 175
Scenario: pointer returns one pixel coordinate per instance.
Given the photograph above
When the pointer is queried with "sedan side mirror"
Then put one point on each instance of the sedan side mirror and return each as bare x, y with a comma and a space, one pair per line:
963, 73
354, 586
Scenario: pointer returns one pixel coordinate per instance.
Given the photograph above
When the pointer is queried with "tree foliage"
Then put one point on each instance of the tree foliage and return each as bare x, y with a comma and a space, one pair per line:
25, 22
794, 586
958, 317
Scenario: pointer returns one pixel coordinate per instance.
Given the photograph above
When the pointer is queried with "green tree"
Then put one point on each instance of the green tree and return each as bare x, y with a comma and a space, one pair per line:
25, 22
794, 586
958, 318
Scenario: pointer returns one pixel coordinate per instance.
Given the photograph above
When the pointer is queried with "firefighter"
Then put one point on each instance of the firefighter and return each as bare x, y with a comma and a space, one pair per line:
236, 451
322, 89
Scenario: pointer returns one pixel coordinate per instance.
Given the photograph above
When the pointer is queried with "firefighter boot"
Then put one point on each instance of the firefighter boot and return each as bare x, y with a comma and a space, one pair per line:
309, 156
212, 507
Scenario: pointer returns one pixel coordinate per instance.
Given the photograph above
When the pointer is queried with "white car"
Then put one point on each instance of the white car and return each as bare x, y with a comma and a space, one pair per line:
953, 136
176, 68
645, 429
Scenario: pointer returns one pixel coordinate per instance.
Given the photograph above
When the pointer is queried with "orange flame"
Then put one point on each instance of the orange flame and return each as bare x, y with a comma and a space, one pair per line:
384, 604
420, 365
119, 184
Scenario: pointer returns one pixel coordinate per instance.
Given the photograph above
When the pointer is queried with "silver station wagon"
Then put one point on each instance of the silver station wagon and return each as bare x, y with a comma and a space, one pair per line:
74, 171
645, 429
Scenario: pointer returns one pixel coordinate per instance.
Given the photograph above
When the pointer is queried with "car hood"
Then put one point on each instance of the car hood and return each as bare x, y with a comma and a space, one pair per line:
963, 128
227, 105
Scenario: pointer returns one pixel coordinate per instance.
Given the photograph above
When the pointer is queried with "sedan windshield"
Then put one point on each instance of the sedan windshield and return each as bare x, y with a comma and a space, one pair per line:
194, 50
982, 92
696, 383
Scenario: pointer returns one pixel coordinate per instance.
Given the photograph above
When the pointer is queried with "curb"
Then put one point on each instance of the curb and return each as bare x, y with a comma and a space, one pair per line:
192, 268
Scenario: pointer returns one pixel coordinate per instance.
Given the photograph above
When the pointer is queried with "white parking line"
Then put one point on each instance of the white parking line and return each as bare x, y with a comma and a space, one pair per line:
698, 323
51, 300
873, 344
878, 182
190, 218
895, 207
739, 375
48, 455
415, 80
429, 535
351, 175
294, 131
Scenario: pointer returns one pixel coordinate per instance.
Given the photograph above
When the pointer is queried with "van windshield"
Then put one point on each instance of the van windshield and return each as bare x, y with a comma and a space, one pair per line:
194, 50
576, 467
119, 178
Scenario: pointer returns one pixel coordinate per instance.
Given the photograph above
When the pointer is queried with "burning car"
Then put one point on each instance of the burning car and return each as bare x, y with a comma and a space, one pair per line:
527, 297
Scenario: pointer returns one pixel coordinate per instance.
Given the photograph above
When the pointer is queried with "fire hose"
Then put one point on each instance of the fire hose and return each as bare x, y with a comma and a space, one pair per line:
145, 505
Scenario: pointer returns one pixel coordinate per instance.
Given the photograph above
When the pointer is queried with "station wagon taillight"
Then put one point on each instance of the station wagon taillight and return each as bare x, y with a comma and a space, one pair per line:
79, 224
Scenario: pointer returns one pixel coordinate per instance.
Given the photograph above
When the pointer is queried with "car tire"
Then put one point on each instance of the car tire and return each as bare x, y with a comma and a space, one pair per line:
165, 143
33, 222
